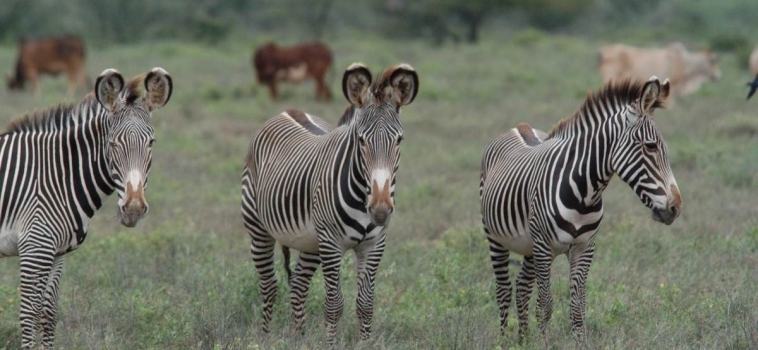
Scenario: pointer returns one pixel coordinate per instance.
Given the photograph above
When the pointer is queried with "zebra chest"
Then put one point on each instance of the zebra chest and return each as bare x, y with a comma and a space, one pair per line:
361, 233
571, 227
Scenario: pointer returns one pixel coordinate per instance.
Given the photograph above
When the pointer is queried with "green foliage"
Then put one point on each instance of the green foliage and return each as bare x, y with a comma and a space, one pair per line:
729, 42
555, 14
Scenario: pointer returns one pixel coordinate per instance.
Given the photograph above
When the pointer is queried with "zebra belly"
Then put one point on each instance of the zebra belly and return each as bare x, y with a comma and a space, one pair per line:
521, 244
304, 241
8, 242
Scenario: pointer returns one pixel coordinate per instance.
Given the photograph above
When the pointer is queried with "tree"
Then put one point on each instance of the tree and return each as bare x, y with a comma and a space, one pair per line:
443, 18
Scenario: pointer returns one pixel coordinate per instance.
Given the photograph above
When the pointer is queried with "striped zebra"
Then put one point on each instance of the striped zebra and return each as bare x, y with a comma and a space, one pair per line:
57, 167
541, 194
323, 190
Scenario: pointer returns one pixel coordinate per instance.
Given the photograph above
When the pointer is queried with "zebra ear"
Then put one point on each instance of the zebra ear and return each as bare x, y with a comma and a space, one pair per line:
404, 82
158, 85
108, 86
665, 91
650, 93
355, 83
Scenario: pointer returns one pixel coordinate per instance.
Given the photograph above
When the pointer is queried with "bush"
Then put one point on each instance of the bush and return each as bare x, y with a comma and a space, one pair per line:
729, 42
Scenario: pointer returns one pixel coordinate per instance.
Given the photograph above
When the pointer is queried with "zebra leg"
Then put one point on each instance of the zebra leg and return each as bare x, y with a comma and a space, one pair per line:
307, 264
262, 249
49, 315
523, 294
368, 263
543, 259
580, 258
36, 263
503, 288
331, 261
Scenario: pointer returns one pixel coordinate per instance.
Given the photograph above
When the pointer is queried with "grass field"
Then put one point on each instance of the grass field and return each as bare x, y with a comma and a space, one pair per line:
183, 279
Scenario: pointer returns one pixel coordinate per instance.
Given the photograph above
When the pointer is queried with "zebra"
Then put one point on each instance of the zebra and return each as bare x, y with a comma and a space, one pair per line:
541, 193
323, 190
57, 167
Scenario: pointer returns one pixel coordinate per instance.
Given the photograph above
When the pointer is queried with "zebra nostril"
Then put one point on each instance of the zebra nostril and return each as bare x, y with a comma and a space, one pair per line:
673, 210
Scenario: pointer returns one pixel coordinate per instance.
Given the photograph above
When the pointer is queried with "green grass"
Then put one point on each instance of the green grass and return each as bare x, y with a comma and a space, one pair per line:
183, 278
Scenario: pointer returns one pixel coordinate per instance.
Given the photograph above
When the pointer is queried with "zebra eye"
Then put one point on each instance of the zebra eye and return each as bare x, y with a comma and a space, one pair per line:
362, 140
399, 139
150, 144
651, 146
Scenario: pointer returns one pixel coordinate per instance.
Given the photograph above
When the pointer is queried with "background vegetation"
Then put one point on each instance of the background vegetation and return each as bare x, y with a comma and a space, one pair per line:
183, 278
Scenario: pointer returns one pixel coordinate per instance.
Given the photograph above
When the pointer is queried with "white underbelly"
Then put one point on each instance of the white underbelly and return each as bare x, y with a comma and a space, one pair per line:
8, 242
304, 241
520, 244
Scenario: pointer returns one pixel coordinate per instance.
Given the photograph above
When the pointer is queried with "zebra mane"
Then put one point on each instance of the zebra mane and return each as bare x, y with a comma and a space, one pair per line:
46, 119
347, 115
133, 89
614, 94
55, 117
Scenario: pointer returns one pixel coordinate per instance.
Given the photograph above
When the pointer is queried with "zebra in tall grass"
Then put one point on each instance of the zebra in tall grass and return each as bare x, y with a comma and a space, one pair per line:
541, 194
57, 167
323, 190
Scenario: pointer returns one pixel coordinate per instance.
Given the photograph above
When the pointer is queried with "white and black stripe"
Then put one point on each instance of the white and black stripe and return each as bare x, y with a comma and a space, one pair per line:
56, 169
323, 191
541, 194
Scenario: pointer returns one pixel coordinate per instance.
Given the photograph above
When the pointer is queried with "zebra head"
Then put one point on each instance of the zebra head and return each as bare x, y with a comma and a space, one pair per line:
640, 157
129, 134
378, 131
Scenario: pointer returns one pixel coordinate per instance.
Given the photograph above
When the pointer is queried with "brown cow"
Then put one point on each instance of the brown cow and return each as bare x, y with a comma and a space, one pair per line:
294, 64
50, 56
686, 70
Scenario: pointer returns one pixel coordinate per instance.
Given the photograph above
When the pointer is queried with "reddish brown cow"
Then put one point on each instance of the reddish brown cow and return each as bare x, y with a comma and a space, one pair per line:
50, 56
294, 64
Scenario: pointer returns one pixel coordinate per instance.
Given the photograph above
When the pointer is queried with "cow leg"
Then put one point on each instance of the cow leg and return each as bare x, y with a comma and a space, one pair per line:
32, 75
84, 80
321, 89
272, 89
72, 78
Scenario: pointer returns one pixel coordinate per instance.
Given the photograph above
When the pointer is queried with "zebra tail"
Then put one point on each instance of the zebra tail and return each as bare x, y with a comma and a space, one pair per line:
286, 253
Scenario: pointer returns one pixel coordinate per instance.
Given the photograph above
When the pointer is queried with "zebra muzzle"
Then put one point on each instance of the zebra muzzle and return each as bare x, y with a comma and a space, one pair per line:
380, 215
135, 207
131, 215
674, 207
666, 216
380, 206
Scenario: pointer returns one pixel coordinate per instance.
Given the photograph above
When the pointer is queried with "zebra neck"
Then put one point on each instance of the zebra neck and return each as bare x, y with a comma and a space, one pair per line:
587, 168
86, 159
356, 194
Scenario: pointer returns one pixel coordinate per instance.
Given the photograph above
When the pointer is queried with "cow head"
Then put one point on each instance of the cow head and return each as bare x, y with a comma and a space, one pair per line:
14, 83
698, 68
265, 64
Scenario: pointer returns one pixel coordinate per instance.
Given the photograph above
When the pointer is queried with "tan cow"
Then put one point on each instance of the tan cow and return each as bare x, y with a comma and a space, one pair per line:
686, 70
49, 56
